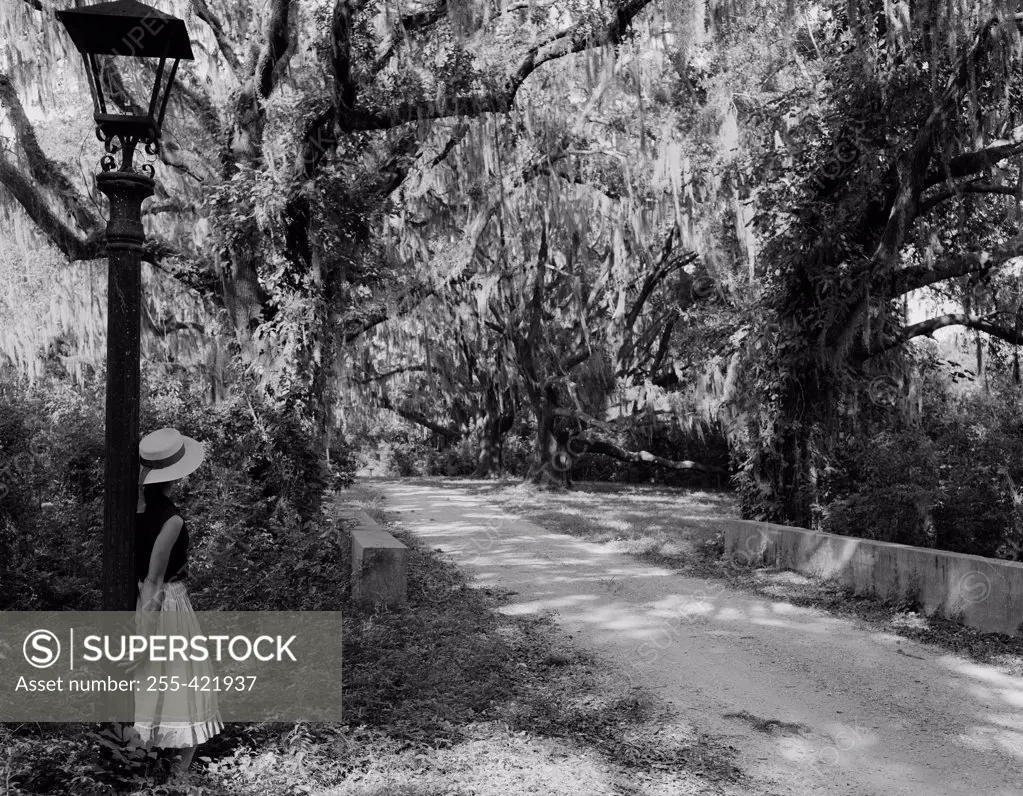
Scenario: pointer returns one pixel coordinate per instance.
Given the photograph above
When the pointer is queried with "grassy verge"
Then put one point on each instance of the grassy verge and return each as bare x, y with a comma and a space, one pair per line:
445, 696
668, 527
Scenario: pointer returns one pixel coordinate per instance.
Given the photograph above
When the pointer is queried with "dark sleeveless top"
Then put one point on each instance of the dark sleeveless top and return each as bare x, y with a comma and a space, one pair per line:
159, 509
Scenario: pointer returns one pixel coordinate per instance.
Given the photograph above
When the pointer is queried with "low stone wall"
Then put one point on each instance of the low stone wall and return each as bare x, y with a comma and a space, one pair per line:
379, 561
982, 593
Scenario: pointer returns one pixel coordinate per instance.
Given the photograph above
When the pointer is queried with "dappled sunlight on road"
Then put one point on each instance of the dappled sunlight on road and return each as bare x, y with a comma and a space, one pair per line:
839, 708
679, 604
552, 604
1000, 723
481, 536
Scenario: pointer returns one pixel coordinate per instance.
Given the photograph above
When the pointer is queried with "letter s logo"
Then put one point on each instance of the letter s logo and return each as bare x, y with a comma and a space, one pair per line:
41, 648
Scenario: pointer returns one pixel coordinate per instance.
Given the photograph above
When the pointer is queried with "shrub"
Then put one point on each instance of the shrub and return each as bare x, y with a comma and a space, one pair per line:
408, 457
517, 451
457, 459
51, 503
949, 482
252, 507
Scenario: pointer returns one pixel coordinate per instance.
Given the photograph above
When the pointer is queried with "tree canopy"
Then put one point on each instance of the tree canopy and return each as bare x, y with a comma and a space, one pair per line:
576, 212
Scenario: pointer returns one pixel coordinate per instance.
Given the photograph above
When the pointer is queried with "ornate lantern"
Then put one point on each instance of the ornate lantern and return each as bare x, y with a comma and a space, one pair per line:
127, 29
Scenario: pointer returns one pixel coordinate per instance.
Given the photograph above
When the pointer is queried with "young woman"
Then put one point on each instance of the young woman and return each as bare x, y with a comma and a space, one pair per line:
185, 717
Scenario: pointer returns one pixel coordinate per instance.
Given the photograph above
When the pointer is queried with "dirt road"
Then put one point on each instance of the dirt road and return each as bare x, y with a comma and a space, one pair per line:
815, 704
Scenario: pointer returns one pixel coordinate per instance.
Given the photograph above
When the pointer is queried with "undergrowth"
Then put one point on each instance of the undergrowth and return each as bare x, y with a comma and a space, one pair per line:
445, 695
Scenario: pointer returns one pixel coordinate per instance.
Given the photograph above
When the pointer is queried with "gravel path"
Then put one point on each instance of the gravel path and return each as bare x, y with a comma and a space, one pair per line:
814, 704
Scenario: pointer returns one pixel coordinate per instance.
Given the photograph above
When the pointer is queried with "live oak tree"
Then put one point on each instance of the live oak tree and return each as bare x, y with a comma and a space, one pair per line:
343, 177
288, 168
887, 157
287, 141
576, 273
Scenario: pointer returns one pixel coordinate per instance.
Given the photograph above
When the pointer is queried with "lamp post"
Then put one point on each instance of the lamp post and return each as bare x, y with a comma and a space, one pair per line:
104, 34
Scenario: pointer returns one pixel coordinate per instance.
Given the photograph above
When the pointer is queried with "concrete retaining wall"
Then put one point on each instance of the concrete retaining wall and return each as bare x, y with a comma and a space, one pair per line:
379, 561
983, 593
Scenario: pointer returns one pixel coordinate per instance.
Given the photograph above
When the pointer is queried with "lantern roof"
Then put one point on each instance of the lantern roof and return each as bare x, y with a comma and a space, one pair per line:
127, 27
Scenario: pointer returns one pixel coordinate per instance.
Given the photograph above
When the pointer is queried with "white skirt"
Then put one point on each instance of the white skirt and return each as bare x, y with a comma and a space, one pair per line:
186, 716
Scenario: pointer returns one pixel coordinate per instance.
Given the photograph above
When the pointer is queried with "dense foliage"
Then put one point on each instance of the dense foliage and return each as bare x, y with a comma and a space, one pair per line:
946, 479
608, 239
259, 491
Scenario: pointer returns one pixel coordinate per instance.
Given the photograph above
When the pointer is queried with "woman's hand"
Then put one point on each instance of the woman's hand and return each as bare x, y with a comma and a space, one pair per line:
148, 614
128, 666
152, 593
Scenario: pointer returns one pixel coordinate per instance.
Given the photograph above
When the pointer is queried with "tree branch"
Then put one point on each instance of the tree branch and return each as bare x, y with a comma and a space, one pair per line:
605, 448
341, 62
579, 37
582, 417
926, 328
406, 303
156, 252
916, 277
202, 10
423, 19
933, 201
420, 419
168, 325
456, 138
50, 224
163, 258
393, 171
317, 140
389, 373
662, 347
275, 51
43, 170
650, 282
971, 162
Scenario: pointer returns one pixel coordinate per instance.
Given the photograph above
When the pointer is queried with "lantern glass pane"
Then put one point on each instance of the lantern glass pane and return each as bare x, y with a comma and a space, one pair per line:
95, 87
134, 91
127, 83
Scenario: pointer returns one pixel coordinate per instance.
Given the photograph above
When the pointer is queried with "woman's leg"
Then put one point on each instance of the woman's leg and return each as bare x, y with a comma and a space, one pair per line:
184, 761
205, 718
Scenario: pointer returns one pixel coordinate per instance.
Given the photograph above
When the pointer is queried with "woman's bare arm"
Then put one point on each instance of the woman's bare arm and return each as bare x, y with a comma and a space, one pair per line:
152, 587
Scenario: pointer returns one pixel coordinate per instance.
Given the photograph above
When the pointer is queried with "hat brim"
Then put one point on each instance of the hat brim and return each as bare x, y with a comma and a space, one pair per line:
195, 452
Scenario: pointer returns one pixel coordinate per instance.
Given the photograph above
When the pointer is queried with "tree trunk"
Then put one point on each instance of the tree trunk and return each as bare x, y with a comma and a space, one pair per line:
497, 421
488, 463
553, 467
244, 297
795, 482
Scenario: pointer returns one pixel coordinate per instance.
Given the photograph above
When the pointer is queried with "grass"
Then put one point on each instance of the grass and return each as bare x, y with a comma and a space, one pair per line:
444, 696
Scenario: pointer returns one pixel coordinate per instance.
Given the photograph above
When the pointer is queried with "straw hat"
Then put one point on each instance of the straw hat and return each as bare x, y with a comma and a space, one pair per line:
167, 455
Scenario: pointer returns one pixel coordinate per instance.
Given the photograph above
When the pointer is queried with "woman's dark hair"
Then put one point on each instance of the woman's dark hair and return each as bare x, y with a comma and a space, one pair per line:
150, 491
